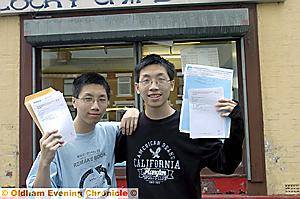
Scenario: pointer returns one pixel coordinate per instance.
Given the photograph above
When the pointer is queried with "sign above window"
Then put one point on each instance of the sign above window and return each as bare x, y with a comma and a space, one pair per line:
26, 6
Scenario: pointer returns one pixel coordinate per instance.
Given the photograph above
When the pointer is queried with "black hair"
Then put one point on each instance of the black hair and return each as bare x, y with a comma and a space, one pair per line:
155, 59
89, 78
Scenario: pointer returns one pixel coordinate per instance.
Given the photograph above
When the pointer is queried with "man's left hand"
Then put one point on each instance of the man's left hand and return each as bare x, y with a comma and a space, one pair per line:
225, 106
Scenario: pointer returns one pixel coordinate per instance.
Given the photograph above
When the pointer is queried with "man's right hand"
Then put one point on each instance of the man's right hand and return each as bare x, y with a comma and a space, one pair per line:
49, 144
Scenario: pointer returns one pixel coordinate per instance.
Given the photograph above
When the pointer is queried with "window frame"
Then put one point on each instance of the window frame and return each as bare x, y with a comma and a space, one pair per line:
129, 83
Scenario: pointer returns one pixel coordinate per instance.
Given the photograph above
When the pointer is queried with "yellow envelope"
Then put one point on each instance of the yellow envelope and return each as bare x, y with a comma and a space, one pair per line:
29, 108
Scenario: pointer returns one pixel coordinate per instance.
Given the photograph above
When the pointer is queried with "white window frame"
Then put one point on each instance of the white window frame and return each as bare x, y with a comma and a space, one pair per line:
180, 75
68, 82
103, 74
128, 83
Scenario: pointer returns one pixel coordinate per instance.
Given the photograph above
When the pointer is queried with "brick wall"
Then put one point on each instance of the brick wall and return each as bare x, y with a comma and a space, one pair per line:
279, 41
9, 100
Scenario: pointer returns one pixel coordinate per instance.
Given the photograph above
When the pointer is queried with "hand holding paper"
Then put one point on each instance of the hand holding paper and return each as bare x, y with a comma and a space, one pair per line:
226, 106
49, 143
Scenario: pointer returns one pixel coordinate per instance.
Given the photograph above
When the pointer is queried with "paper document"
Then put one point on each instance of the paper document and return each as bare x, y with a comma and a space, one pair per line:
204, 77
206, 121
50, 112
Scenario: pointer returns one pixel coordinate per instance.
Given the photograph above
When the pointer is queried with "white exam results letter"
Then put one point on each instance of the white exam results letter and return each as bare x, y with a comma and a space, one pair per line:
53, 114
205, 121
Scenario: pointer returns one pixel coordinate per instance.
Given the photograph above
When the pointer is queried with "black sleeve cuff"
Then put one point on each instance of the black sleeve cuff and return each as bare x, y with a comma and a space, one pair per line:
236, 112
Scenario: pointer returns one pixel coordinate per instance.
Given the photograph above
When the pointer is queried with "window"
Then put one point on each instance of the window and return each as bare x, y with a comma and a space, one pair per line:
180, 84
104, 75
115, 62
68, 84
221, 54
124, 84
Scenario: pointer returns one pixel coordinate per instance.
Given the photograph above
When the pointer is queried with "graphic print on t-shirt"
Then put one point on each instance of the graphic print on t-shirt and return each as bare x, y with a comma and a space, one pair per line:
156, 162
98, 177
94, 172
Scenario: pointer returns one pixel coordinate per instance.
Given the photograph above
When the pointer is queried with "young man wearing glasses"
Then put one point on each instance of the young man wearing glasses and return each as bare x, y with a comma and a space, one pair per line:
163, 162
88, 161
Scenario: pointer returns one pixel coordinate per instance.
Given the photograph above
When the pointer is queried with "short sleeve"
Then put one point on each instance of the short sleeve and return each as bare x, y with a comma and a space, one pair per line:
54, 176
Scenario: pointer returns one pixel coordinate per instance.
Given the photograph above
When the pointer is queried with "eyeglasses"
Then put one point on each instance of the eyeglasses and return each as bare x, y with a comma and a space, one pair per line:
159, 81
91, 100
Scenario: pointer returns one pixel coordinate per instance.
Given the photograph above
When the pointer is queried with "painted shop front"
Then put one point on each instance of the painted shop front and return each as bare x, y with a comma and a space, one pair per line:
62, 38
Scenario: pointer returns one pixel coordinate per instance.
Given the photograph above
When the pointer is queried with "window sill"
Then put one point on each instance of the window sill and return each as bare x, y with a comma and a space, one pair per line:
124, 95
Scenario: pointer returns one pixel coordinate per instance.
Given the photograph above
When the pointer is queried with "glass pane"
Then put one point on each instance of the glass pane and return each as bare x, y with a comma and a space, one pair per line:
61, 65
124, 86
219, 54
68, 87
124, 79
124, 89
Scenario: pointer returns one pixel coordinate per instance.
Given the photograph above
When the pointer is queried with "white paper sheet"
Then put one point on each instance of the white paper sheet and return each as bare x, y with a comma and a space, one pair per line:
53, 114
205, 120
204, 77
199, 55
